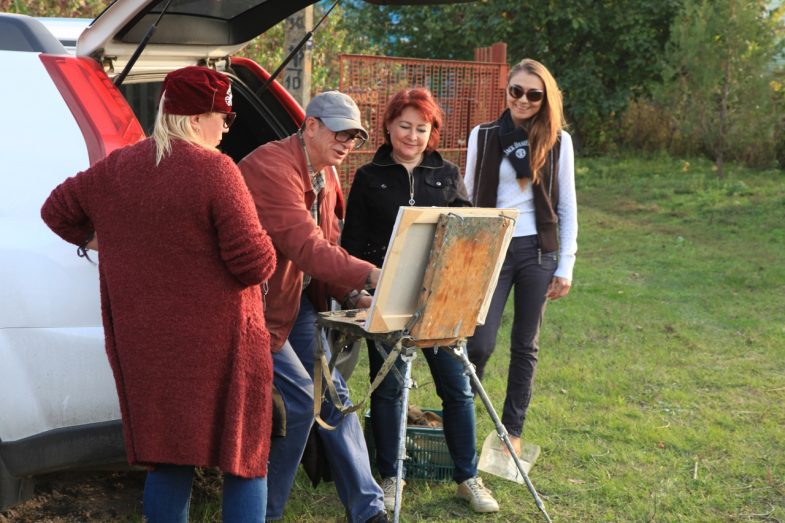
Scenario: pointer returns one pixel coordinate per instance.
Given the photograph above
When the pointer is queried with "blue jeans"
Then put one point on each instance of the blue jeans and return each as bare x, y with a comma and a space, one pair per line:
167, 496
452, 386
345, 446
530, 272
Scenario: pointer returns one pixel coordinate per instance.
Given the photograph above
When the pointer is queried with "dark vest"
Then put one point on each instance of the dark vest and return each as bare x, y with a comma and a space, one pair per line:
546, 192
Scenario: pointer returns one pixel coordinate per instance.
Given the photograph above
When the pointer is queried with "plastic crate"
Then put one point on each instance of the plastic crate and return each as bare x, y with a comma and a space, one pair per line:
426, 451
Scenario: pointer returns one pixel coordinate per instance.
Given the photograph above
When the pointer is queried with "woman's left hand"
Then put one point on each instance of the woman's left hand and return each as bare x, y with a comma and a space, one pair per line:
558, 288
93, 243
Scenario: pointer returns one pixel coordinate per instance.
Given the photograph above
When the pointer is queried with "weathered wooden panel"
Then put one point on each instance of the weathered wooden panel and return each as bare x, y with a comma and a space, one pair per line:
463, 255
398, 295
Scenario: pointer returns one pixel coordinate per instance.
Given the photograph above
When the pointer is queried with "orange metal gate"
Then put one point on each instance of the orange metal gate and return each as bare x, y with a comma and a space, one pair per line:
469, 93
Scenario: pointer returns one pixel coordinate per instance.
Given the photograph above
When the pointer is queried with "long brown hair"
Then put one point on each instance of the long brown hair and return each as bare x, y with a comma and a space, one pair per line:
545, 126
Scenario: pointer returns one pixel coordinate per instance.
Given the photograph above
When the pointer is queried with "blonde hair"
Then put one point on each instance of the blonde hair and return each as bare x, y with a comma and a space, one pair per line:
545, 126
169, 127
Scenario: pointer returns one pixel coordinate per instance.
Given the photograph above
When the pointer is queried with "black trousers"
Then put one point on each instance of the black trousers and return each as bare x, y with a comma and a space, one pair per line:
528, 272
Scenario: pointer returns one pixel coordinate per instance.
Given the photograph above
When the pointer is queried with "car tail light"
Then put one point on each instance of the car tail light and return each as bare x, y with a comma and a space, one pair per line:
105, 118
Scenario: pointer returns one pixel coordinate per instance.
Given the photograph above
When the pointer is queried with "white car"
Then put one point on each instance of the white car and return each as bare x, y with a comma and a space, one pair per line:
62, 112
66, 30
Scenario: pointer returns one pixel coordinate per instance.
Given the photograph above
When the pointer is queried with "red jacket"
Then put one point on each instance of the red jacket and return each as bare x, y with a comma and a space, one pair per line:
181, 257
277, 175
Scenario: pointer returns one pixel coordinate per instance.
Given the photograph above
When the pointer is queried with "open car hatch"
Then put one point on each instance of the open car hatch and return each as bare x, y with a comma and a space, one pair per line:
190, 32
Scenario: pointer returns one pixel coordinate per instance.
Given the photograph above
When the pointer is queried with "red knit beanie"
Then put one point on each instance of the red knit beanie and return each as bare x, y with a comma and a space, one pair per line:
196, 90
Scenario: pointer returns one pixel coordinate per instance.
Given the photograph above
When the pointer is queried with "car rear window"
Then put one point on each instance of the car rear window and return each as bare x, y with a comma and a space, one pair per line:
258, 121
143, 99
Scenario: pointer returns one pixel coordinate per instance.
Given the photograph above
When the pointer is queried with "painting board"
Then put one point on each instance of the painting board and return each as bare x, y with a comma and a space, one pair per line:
398, 293
458, 276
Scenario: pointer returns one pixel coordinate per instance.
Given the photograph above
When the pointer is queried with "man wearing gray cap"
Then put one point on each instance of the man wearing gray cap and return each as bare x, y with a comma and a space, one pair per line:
295, 186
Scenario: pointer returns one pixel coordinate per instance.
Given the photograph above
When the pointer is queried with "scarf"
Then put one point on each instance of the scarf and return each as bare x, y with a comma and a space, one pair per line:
515, 145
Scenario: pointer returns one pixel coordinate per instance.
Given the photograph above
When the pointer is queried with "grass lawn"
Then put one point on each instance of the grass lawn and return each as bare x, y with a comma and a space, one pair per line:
660, 394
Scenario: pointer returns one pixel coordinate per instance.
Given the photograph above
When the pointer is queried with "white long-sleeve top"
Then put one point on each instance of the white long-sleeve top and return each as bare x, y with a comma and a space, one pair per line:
511, 196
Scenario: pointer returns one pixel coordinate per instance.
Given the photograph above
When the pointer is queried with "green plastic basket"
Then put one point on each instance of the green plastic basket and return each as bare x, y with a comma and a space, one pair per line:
426, 451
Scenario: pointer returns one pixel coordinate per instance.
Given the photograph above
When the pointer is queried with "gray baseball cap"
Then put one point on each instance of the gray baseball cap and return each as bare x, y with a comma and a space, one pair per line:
337, 111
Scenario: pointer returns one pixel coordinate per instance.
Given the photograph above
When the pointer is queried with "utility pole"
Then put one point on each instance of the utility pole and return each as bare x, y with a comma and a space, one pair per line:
297, 75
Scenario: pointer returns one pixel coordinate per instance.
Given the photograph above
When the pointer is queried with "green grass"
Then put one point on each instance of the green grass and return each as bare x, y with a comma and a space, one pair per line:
661, 386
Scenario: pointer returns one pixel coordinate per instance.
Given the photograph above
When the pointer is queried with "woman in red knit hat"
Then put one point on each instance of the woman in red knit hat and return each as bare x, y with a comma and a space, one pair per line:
182, 255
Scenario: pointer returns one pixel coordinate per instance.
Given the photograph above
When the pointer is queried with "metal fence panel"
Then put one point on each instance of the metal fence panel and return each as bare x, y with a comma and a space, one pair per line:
469, 93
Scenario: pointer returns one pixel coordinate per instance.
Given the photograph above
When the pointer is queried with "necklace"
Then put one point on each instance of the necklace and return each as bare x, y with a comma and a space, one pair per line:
411, 187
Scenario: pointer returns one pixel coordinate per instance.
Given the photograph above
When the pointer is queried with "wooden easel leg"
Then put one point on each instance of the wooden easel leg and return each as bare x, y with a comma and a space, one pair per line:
408, 357
459, 351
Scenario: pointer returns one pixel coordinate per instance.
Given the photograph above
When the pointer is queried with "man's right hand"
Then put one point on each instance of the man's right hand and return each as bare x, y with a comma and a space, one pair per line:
364, 302
92, 244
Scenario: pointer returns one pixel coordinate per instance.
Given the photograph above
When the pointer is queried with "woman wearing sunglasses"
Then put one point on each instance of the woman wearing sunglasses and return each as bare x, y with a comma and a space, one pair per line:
182, 257
524, 160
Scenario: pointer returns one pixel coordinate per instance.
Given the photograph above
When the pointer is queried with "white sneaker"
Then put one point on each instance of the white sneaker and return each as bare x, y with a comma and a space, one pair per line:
479, 497
388, 486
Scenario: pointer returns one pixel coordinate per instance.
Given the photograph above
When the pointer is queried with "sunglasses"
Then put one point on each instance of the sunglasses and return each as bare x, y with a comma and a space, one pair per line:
533, 95
347, 136
229, 119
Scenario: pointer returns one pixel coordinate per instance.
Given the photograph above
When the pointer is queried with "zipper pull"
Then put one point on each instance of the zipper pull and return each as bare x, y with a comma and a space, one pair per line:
539, 256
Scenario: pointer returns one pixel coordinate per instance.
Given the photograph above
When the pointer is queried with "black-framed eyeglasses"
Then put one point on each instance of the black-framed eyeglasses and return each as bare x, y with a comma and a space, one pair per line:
533, 95
229, 119
353, 135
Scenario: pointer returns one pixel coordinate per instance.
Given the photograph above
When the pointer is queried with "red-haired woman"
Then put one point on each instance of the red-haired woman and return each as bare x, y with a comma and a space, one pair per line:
407, 170
524, 160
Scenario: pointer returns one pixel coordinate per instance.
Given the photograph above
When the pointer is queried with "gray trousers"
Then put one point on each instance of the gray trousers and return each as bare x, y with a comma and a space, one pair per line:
529, 272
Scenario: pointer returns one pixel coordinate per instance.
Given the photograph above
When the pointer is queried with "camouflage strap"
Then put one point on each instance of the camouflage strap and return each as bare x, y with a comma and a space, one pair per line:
322, 374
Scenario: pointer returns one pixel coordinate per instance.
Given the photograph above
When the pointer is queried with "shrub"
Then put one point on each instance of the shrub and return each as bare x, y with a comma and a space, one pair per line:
644, 126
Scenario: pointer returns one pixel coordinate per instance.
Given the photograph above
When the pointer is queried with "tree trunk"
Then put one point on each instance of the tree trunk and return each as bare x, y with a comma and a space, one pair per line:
720, 147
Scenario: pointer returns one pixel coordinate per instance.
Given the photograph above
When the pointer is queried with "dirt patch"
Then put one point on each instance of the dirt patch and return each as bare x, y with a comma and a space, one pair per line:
70, 497
92, 497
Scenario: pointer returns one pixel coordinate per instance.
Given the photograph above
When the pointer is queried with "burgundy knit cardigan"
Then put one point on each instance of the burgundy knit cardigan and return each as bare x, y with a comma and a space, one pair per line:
182, 254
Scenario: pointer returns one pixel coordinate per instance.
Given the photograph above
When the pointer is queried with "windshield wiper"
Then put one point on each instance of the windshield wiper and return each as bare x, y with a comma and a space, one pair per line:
134, 57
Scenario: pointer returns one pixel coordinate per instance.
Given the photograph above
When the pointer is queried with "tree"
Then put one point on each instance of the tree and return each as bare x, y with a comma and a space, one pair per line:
328, 41
55, 8
602, 53
718, 79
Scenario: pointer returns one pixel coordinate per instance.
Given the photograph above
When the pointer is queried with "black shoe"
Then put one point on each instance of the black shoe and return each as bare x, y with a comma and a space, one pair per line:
380, 517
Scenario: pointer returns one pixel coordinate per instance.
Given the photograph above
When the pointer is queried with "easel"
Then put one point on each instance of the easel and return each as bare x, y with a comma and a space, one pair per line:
452, 292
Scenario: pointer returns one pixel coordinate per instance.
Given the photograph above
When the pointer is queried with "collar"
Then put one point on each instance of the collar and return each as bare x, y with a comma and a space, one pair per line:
311, 171
383, 158
506, 116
